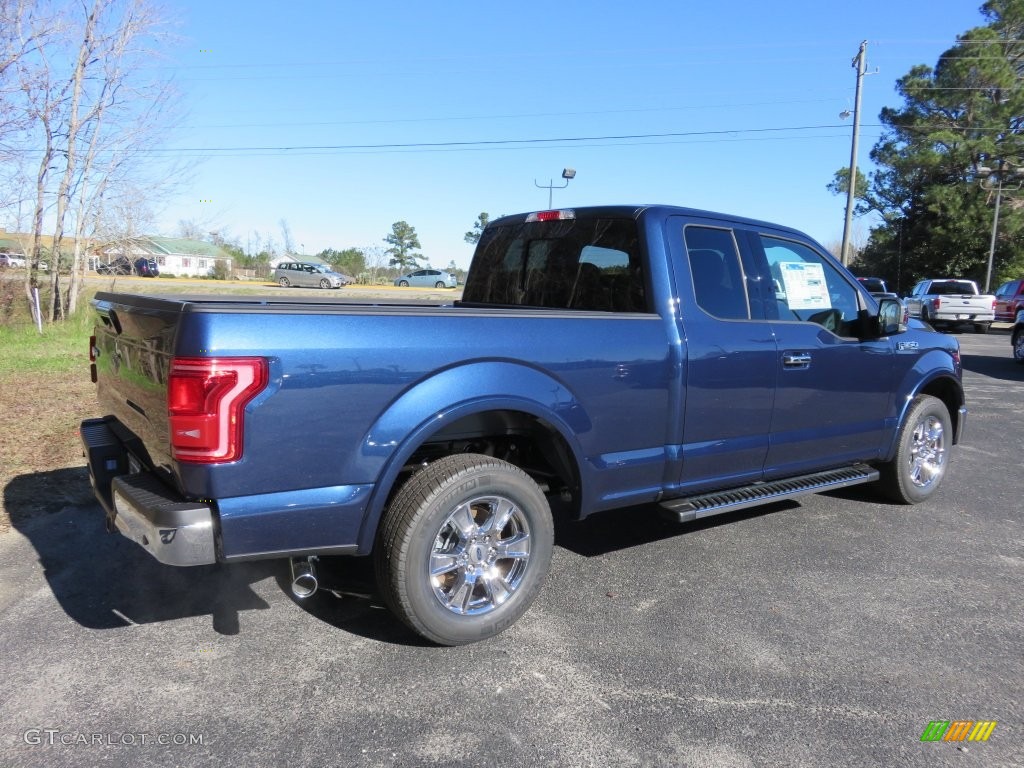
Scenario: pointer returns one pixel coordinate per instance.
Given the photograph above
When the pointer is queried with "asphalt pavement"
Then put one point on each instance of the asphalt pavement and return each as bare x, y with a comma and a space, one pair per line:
828, 631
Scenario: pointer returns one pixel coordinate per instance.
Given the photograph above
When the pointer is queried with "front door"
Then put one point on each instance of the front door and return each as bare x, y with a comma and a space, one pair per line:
834, 390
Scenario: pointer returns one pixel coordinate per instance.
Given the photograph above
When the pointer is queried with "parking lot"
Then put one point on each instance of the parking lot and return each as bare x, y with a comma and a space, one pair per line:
825, 631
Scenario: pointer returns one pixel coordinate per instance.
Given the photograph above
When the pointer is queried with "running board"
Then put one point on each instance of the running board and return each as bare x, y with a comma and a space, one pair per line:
694, 507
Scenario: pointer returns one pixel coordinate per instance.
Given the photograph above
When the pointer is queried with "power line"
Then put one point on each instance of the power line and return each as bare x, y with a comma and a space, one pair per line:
495, 142
523, 115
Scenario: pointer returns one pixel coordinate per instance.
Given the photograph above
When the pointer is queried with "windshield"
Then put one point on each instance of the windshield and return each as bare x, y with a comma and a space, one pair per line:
323, 268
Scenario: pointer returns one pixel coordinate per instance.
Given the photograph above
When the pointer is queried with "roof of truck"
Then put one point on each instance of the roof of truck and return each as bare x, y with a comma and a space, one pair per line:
635, 211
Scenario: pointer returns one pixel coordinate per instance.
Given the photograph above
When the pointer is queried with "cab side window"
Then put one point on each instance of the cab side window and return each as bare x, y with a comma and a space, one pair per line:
809, 288
718, 283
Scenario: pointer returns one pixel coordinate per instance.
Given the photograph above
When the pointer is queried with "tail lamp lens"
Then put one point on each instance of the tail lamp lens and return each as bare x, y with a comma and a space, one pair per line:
206, 399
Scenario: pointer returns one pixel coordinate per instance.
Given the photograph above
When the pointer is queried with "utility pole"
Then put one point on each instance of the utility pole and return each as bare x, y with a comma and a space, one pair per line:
859, 65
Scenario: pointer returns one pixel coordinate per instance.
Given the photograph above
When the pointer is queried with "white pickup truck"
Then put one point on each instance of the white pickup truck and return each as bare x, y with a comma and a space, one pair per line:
950, 302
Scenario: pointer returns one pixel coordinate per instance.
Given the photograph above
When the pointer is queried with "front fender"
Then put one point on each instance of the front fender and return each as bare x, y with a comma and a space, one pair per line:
450, 395
936, 372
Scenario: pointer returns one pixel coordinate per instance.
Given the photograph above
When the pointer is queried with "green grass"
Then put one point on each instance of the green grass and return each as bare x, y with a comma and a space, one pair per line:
60, 348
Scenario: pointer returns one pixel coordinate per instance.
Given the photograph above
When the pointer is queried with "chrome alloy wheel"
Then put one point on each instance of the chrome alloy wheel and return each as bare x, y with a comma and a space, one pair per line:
480, 555
927, 452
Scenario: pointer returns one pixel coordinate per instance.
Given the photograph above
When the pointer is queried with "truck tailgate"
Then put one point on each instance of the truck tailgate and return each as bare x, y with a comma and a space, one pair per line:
133, 347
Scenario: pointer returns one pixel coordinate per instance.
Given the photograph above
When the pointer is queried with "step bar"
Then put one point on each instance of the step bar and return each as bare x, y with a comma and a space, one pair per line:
717, 502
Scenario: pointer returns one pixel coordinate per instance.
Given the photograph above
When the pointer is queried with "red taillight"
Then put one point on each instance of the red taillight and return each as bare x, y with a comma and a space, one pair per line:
936, 302
206, 399
551, 216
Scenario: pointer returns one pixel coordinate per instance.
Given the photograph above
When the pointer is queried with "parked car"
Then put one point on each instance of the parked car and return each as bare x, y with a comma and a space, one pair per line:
10, 260
1009, 301
950, 302
146, 267
427, 278
877, 288
123, 266
306, 274
1017, 338
873, 284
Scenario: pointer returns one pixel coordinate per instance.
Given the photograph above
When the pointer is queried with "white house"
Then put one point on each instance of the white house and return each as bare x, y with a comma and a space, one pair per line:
174, 255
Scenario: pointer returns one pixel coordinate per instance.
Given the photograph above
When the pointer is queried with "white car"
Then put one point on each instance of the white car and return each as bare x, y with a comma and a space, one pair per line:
10, 260
427, 278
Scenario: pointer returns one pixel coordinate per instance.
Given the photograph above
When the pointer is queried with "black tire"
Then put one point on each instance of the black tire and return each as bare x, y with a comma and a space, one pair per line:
403, 283
325, 283
283, 282
443, 518
922, 452
1018, 345
439, 284
981, 327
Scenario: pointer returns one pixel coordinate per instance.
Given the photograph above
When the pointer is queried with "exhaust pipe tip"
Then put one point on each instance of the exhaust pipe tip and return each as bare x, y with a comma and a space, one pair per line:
304, 580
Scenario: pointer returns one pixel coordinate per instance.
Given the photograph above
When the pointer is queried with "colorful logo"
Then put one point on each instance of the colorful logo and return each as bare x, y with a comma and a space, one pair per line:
958, 730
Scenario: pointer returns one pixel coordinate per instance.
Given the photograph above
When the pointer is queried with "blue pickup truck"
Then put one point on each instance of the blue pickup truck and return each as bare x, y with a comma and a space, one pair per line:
600, 357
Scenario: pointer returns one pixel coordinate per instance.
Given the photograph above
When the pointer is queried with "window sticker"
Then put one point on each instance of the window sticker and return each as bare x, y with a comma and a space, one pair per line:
805, 285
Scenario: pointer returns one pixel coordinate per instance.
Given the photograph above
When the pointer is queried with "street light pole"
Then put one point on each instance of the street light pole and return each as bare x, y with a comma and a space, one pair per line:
858, 63
567, 173
986, 174
995, 227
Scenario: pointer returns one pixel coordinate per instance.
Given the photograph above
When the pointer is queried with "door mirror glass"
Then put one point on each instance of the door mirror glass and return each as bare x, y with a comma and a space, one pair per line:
891, 317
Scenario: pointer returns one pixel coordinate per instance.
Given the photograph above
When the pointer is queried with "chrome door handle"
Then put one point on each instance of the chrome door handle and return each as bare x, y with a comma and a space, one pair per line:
796, 360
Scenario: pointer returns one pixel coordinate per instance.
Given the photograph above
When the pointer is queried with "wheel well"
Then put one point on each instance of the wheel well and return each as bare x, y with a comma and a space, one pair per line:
519, 438
950, 393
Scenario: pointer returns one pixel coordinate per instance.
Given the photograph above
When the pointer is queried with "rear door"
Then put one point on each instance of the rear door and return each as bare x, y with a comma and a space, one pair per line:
834, 390
306, 275
731, 355
1006, 296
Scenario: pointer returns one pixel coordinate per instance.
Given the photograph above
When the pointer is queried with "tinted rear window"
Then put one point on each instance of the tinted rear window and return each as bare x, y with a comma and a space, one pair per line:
587, 264
950, 288
873, 284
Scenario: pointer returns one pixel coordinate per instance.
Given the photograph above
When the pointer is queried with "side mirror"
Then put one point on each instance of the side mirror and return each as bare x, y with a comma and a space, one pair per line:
891, 317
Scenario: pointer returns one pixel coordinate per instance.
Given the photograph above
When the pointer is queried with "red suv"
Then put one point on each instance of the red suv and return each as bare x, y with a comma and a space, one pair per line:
1009, 301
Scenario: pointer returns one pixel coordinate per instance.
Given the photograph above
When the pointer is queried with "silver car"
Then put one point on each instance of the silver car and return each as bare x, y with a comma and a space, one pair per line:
300, 273
427, 278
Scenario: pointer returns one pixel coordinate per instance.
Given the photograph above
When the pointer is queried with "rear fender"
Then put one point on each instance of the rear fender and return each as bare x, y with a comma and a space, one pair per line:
464, 391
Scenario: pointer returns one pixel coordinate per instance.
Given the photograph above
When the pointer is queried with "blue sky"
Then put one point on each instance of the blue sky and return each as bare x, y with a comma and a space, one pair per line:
290, 103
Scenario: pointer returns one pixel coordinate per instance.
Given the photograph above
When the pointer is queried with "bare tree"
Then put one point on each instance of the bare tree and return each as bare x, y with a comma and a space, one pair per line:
90, 110
122, 219
190, 229
286, 237
377, 258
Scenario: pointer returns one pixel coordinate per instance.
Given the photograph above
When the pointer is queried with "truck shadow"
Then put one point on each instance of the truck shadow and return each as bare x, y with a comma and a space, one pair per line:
104, 581
1003, 368
348, 599
606, 532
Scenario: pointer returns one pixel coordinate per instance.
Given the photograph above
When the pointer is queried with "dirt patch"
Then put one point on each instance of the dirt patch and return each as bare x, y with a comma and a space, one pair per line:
39, 419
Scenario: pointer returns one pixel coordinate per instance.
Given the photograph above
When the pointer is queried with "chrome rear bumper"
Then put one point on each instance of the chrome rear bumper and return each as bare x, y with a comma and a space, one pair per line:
144, 509
174, 531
